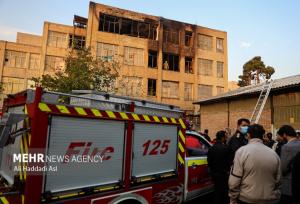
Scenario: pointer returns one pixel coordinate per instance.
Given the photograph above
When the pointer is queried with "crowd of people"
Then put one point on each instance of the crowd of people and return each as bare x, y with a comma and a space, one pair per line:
250, 167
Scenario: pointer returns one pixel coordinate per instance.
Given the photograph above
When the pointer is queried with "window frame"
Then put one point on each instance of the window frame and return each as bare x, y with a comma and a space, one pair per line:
205, 95
202, 140
190, 96
57, 39
221, 50
169, 57
57, 61
204, 43
77, 41
203, 67
15, 59
153, 60
103, 51
37, 61
153, 85
188, 65
220, 74
136, 56
170, 94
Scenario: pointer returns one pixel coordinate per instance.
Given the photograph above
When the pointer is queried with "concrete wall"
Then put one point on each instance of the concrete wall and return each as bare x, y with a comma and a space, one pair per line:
29, 39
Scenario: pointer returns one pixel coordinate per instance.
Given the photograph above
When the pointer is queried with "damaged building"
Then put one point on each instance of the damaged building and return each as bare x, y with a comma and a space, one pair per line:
161, 59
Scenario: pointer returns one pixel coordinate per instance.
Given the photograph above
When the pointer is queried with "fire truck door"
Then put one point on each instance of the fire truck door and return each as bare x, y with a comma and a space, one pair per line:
197, 178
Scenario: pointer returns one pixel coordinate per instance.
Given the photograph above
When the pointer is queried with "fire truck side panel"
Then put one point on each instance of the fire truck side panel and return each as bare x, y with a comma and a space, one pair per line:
104, 136
154, 149
170, 192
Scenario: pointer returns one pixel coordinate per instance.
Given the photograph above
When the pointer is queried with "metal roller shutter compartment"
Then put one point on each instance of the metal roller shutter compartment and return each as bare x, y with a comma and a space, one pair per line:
102, 134
160, 161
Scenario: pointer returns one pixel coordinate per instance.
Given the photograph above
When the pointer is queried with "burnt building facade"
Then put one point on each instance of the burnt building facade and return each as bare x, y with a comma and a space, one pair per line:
161, 59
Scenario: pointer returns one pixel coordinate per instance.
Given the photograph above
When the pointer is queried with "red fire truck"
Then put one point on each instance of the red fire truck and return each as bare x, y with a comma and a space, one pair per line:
49, 143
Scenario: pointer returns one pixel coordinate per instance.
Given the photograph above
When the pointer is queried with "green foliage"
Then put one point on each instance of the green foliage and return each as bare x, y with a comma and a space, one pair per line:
255, 69
82, 72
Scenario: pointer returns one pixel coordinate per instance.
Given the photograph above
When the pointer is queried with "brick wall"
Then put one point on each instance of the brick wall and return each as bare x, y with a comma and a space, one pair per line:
214, 117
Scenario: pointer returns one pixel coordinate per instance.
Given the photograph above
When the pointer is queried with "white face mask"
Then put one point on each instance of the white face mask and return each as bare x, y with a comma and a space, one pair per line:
244, 129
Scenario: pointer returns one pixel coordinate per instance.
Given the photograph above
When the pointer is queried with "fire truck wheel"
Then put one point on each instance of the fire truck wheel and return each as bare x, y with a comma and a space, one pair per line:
130, 201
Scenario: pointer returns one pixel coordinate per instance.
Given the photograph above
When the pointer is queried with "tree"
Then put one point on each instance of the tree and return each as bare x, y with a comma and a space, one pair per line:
255, 71
82, 72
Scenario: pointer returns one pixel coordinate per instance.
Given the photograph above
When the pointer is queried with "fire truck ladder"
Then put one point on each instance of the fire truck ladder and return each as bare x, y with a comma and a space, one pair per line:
261, 102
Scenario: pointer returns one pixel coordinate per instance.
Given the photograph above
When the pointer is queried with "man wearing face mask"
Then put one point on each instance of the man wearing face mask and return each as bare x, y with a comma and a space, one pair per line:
239, 138
255, 175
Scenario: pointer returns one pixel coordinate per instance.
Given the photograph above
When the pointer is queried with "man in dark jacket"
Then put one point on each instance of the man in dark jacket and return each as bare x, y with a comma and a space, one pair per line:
218, 159
205, 134
296, 179
288, 152
239, 138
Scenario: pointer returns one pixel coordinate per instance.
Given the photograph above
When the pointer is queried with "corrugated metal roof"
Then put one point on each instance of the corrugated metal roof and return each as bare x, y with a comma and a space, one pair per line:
252, 89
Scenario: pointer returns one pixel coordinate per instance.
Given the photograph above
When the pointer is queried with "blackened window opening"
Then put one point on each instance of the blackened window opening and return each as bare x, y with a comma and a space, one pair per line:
170, 62
188, 38
189, 65
125, 26
76, 41
152, 59
151, 87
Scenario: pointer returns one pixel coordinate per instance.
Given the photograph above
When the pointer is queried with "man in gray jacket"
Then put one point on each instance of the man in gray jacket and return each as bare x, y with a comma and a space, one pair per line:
255, 174
288, 153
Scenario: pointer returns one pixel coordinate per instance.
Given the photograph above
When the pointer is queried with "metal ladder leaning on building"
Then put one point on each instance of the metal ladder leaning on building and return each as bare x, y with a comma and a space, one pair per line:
266, 88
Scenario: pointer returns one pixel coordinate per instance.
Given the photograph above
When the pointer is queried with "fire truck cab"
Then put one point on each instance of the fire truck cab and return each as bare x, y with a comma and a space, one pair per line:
92, 147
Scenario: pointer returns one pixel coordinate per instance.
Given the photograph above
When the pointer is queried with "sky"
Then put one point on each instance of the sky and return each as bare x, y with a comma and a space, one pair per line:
266, 28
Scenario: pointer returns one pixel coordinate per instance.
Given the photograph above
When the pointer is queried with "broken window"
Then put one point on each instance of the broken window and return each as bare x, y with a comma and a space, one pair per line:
15, 59
152, 59
144, 30
34, 62
171, 36
205, 42
134, 56
188, 91
220, 90
151, 87
170, 89
76, 41
107, 52
188, 38
220, 72
170, 62
126, 26
204, 91
152, 32
57, 39
220, 47
109, 23
189, 65
205, 67
53, 63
